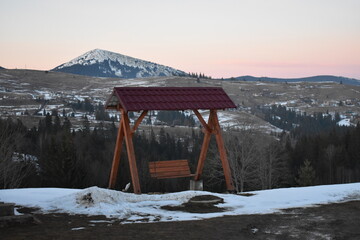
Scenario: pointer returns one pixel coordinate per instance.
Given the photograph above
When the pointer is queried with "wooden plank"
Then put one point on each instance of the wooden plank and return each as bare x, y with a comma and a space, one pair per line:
171, 175
202, 121
138, 121
131, 153
117, 154
170, 162
222, 151
169, 169
174, 163
164, 168
168, 166
204, 150
111, 108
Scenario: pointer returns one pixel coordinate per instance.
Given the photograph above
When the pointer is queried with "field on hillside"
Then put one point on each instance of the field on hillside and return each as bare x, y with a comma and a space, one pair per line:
29, 94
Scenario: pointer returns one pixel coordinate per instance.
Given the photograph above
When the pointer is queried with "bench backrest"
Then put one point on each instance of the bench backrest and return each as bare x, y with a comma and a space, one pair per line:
170, 169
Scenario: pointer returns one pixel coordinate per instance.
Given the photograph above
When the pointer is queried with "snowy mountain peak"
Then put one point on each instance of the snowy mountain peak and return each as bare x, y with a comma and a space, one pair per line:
98, 55
103, 63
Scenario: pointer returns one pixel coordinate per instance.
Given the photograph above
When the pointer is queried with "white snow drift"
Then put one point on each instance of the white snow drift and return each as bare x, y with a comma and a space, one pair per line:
133, 208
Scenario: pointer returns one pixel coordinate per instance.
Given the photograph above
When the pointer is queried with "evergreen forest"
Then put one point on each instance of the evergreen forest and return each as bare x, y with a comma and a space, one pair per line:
313, 151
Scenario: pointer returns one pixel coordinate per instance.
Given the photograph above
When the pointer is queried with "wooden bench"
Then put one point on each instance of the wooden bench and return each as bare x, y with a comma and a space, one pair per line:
170, 169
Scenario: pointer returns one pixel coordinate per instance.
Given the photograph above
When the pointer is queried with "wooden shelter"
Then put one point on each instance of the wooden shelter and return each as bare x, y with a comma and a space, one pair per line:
144, 99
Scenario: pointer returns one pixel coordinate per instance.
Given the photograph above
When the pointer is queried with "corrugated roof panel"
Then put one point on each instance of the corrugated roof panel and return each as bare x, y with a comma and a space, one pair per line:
169, 98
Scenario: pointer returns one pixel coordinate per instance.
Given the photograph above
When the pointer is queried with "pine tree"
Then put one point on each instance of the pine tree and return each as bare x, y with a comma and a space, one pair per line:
306, 174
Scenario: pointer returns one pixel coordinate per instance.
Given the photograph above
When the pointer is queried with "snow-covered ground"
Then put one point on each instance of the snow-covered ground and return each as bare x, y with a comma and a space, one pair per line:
241, 120
134, 208
345, 123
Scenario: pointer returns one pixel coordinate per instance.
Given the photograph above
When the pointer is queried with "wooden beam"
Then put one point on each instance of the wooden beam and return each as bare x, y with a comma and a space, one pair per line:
138, 121
204, 150
131, 153
222, 151
111, 107
202, 121
117, 154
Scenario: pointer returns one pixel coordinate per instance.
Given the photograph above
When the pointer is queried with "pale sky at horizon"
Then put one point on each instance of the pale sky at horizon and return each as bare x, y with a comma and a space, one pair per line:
273, 38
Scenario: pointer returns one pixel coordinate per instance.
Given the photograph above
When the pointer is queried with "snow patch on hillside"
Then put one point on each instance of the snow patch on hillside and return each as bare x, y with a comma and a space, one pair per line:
345, 123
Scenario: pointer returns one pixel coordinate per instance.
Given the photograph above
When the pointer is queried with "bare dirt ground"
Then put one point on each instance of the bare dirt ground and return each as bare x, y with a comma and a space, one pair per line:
333, 221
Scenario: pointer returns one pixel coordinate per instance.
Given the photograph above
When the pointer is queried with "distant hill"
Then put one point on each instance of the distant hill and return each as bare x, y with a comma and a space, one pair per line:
102, 63
1, 67
321, 78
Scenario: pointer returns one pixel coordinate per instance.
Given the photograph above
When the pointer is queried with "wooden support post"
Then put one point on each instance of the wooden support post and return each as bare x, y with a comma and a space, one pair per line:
204, 149
222, 151
117, 154
131, 153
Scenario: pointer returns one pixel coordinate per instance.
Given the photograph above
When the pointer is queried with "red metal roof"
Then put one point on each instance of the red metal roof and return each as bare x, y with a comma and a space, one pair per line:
169, 98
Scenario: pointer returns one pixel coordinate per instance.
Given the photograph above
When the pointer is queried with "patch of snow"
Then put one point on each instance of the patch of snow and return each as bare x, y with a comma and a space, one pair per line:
54, 106
226, 118
101, 221
285, 102
78, 228
132, 207
345, 123
80, 98
17, 157
16, 213
45, 94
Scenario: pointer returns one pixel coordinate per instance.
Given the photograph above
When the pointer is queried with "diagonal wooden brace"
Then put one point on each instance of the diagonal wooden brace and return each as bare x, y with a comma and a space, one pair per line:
131, 153
222, 151
202, 121
117, 154
205, 146
138, 121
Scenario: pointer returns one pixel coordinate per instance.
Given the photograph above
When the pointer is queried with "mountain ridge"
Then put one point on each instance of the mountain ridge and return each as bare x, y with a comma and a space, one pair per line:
318, 78
103, 63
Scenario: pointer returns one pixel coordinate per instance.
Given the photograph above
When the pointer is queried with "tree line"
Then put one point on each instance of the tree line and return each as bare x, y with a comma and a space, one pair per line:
53, 154
261, 161
299, 123
172, 118
198, 75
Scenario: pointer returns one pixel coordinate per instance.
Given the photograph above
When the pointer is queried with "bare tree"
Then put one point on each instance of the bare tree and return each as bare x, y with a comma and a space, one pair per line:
330, 152
271, 165
12, 169
256, 160
243, 151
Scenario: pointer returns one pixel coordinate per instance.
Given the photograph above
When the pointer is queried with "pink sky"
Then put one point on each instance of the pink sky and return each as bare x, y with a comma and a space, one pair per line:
278, 38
